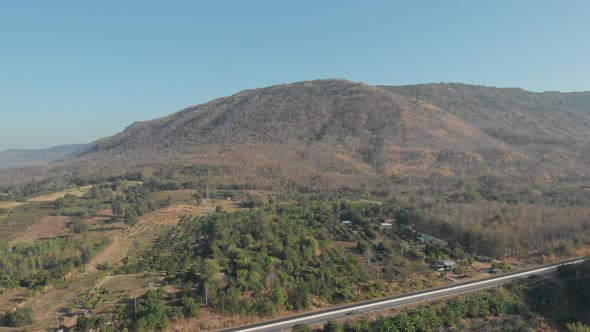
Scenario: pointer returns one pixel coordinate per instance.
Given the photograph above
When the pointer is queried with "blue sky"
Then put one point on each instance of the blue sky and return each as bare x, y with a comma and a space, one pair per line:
75, 71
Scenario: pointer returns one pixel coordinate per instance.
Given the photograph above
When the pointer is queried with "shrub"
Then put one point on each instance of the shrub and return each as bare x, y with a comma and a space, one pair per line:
20, 317
301, 328
73, 212
131, 217
190, 307
79, 226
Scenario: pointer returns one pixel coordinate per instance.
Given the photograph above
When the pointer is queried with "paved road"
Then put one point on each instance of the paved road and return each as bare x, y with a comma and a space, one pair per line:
400, 300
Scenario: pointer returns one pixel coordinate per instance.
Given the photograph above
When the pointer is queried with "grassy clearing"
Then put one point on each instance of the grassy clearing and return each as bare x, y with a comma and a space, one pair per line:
47, 227
128, 285
78, 191
184, 195
10, 205
20, 218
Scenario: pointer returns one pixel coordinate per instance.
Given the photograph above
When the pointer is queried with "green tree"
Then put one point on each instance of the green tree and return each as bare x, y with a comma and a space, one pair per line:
19, 317
333, 326
117, 208
84, 323
151, 313
79, 226
577, 327
301, 328
61, 203
190, 307
131, 217
278, 296
299, 298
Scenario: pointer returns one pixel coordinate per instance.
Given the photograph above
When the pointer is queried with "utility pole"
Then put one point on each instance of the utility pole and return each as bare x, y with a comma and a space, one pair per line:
135, 308
206, 294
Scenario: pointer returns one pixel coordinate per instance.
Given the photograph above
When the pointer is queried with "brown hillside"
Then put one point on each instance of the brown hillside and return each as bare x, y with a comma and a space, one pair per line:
334, 133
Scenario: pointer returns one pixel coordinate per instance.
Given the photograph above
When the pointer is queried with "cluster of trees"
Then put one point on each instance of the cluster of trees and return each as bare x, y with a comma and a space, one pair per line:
577, 327
433, 317
150, 314
17, 318
71, 205
564, 298
134, 202
40, 262
496, 229
260, 261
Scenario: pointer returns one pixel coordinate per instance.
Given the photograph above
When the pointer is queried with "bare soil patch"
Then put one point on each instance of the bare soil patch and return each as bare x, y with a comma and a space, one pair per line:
48, 227
10, 205
79, 191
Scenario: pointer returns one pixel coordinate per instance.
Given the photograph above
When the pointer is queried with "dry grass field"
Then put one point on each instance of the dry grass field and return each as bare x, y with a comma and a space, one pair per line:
48, 227
78, 191
10, 205
20, 219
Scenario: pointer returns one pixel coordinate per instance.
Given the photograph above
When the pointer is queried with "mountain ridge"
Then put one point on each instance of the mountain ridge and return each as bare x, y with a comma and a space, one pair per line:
33, 157
333, 133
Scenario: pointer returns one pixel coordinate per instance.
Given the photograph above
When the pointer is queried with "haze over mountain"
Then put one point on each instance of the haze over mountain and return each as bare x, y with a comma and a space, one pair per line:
30, 157
333, 133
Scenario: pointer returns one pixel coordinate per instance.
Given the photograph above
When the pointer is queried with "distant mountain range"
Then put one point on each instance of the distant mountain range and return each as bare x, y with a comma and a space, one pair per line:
334, 133
31, 157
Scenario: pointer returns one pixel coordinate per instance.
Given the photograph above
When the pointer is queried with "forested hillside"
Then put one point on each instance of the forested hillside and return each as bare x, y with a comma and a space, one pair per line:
333, 134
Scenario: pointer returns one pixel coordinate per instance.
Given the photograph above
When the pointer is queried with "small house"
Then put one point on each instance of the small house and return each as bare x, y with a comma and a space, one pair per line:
483, 259
385, 224
346, 222
423, 238
445, 265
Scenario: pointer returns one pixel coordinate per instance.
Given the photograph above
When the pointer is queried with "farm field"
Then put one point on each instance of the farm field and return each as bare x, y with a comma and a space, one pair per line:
33, 220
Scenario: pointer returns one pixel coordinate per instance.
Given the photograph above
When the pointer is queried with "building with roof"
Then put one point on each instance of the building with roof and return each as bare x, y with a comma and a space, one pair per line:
445, 265
422, 238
